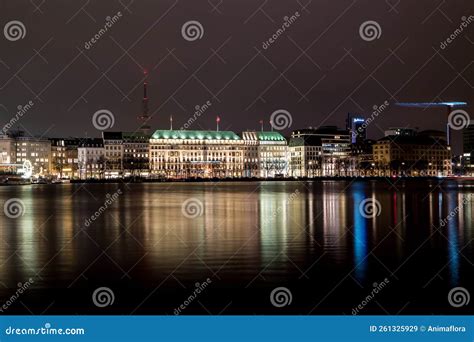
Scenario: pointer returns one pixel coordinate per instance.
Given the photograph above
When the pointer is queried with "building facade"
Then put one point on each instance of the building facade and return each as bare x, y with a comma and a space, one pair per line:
419, 155
64, 158
196, 154
265, 154
335, 149
91, 158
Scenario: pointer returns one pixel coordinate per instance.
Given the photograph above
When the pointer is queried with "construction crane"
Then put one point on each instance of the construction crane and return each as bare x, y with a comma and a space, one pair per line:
450, 106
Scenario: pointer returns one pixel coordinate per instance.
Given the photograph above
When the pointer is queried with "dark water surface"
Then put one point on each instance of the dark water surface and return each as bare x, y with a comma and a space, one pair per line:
252, 237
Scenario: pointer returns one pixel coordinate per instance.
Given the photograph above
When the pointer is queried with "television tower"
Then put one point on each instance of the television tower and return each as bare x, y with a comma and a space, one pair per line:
144, 117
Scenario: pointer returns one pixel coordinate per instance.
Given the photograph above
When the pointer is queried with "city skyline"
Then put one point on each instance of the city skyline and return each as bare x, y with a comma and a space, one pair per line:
318, 77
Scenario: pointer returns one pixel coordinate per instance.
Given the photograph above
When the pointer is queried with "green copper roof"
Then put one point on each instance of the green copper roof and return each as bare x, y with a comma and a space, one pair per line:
199, 135
270, 136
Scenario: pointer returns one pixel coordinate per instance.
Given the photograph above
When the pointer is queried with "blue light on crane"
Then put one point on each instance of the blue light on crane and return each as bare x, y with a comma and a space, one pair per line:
431, 104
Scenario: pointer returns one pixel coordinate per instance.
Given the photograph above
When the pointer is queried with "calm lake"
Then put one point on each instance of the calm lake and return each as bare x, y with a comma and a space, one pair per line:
154, 244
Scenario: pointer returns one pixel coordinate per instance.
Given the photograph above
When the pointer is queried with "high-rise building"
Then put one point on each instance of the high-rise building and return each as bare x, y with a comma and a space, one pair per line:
355, 125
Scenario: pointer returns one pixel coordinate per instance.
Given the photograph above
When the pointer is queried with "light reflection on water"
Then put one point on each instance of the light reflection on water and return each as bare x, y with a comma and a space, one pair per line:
248, 232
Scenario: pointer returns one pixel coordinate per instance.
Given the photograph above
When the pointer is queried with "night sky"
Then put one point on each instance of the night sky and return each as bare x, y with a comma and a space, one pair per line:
318, 70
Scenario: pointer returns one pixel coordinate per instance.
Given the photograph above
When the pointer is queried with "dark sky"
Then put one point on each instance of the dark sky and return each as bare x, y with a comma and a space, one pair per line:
318, 70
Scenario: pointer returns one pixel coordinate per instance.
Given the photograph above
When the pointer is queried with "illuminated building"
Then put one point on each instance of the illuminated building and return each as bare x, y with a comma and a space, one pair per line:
36, 150
335, 149
265, 154
419, 155
7, 151
305, 156
64, 160
196, 154
126, 154
468, 148
355, 125
91, 158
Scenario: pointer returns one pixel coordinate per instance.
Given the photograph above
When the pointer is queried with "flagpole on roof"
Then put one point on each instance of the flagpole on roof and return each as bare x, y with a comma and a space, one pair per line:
261, 124
171, 122
218, 119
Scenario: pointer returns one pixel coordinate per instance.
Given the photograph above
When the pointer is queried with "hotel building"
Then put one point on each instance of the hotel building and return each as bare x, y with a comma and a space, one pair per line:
196, 154
217, 154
